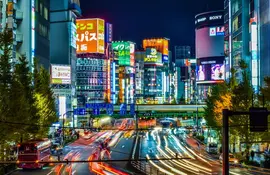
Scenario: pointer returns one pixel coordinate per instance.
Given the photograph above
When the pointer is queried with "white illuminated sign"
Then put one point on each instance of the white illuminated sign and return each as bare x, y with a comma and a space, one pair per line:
215, 17
60, 74
208, 62
62, 106
216, 31
202, 19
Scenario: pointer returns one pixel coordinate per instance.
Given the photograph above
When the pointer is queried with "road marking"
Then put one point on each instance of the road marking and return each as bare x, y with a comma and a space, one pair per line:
50, 172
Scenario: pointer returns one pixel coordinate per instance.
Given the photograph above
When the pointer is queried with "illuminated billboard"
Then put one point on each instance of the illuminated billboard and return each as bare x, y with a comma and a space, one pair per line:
152, 56
209, 42
109, 33
201, 73
90, 36
210, 73
122, 48
217, 72
216, 31
161, 44
60, 74
132, 54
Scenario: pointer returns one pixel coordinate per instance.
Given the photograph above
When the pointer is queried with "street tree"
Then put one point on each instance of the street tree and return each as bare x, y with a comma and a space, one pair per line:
44, 100
5, 83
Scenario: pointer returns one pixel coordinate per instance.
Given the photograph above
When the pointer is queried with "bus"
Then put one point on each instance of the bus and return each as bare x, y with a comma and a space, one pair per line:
33, 152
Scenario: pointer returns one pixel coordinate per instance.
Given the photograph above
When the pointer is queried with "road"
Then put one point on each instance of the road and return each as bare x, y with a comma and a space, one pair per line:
162, 143
83, 149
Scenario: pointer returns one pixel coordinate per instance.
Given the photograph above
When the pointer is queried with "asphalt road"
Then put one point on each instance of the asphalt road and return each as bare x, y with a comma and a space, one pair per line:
161, 144
82, 149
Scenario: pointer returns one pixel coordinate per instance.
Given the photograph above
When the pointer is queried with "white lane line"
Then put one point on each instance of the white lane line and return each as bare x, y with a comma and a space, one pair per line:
50, 172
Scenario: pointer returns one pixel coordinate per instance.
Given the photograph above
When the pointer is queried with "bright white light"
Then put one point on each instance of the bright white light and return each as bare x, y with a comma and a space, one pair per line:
62, 106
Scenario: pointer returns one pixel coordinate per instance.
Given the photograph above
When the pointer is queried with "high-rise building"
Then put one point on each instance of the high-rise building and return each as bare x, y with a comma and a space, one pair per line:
63, 15
30, 23
209, 47
242, 36
181, 53
124, 59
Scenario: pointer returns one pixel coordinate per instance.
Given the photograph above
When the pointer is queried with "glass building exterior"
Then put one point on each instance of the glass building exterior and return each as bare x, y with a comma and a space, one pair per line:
264, 35
242, 36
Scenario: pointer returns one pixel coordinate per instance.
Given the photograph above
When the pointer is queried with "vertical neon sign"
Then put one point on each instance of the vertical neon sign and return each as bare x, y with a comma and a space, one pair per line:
32, 32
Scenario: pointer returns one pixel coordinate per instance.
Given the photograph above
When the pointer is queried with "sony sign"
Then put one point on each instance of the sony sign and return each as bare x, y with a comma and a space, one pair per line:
217, 17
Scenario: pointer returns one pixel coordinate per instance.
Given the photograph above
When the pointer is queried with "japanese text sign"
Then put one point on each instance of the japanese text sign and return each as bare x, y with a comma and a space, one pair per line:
90, 36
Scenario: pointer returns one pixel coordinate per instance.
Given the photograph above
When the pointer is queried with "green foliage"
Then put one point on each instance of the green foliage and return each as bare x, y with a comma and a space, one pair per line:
233, 96
173, 101
44, 101
26, 100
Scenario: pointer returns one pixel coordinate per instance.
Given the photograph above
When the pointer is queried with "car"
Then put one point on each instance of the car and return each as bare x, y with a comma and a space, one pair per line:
212, 148
232, 159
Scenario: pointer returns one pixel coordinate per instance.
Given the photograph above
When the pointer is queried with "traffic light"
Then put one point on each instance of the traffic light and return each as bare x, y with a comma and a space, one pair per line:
258, 119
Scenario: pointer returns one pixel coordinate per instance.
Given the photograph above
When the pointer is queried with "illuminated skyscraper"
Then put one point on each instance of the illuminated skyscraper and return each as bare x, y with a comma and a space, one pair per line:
30, 22
242, 36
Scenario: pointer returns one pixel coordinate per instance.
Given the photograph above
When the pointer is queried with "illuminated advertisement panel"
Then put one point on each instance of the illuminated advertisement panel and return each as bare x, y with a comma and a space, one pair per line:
162, 45
90, 36
209, 42
152, 56
109, 81
73, 35
60, 74
109, 33
123, 51
217, 72
101, 36
201, 73
62, 106
132, 54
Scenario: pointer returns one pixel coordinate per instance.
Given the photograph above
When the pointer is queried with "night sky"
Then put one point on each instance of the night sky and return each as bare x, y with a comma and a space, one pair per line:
138, 19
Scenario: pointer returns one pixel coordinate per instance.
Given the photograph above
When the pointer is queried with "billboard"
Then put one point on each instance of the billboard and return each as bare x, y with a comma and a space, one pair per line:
73, 35
209, 43
201, 73
209, 19
161, 44
152, 56
210, 72
122, 48
217, 72
132, 54
216, 31
60, 74
109, 32
90, 36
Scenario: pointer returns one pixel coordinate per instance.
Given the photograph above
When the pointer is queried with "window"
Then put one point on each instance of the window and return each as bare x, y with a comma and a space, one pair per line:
46, 13
41, 9
236, 5
36, 4
237, 23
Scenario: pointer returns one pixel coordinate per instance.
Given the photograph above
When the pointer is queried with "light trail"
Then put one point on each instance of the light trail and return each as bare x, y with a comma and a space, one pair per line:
171, 168
159, 168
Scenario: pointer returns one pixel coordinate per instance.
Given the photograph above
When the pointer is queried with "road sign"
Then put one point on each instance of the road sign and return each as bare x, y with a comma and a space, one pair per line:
258, 119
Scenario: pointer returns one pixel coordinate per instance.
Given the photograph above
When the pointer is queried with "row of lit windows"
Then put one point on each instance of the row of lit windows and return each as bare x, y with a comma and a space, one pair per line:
43, 31
91, 68
90, 74
91, 87
42, 9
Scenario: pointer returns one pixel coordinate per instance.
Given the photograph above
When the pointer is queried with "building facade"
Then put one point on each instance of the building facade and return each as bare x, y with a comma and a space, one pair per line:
242, 36
209, 48
63, 15
30, 23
